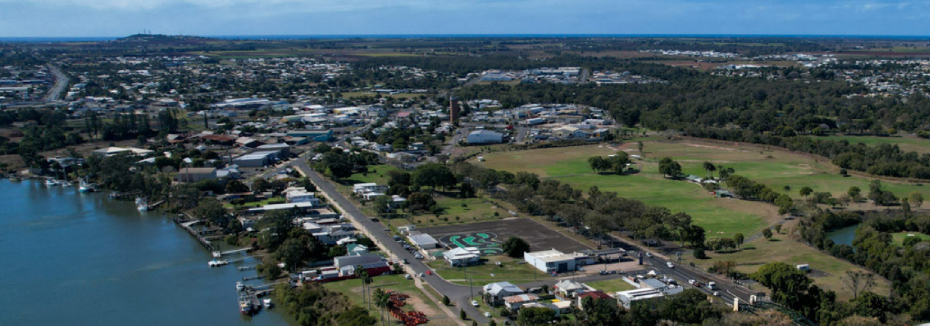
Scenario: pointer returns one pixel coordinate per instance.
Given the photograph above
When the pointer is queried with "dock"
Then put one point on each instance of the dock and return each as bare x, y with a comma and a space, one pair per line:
186, 225
218, 254
255, 292
125, 195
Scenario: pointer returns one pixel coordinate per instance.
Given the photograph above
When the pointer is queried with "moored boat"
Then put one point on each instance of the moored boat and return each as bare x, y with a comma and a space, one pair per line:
267, 303
51, 182
142, 204
217, 263
245, 304
86, 187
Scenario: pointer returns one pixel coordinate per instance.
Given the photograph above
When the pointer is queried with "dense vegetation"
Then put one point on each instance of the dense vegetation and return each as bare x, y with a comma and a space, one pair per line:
313, 305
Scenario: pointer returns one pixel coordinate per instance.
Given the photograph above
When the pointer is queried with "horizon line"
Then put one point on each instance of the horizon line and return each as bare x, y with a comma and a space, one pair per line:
503, 35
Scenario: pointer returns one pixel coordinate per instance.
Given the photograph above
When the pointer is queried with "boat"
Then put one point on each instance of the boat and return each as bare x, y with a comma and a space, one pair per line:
142, 204
65, 183
245, 304
15, 179
217, 263
51, 182
267, 303
87, 187
239, 286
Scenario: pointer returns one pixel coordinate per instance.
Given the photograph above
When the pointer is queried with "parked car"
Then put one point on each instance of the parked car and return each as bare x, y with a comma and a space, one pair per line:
407, 276
649, 255
487, 314
669, 264
612, 272
405, 261
716, 294
474, 303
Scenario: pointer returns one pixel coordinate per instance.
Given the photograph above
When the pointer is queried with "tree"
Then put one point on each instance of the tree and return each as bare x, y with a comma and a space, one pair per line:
211, 210
596, 163
527, 178
433, 175
858, 281
235, 187
699, 253
787, 188
806, 191
710, 168
381, 205
601, 312
854, 192
336, 165
669, 167
916, 199
291, 252
639, 145
445, 300
767, 233
515, 247
777, 228
739, 239
535, 316
462, 314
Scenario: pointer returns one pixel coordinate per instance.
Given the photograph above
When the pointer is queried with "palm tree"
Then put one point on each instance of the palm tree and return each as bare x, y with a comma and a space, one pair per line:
383, 301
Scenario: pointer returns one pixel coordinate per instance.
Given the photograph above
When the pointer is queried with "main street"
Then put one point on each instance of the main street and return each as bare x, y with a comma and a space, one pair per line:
61, 81
457, 293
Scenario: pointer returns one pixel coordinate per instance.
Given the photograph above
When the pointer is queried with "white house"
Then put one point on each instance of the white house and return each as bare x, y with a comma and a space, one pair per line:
301, 196
501, 290
422, 240
462, 256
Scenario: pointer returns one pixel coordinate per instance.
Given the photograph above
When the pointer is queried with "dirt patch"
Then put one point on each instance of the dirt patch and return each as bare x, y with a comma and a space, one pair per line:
714, 147
419, 305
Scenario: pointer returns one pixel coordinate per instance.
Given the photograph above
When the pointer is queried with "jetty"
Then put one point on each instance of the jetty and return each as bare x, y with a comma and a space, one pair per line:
186, 225
218, 254
125, 195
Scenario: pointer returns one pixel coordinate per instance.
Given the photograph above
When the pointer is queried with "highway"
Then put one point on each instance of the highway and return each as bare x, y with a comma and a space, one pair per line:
61, 81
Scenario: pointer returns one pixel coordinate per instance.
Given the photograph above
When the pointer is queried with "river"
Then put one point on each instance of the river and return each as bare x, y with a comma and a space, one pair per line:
84, 259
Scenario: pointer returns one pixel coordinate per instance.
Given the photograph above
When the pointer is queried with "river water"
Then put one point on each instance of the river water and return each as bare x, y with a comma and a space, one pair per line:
68, 258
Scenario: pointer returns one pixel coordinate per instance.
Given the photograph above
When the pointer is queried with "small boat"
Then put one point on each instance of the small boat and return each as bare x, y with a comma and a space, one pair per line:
142, 204
217, 263
15, 179
65, 183
239, 286
51, 182
267, 303
87, 187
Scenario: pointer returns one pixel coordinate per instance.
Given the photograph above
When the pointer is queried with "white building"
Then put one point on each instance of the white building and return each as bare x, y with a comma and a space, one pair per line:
301, 196
462, 256
485, 137
422, 240
501, 290
554, 261
626, 298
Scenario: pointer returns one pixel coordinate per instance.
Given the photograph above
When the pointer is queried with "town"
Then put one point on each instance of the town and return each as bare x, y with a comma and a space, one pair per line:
741, 184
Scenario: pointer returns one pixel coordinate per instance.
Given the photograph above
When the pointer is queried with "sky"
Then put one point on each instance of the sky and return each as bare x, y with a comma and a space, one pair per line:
89, 18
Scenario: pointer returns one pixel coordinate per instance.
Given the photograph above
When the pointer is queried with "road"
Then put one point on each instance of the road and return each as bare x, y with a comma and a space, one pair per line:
457, 293
683, 273
459, 134
61, 81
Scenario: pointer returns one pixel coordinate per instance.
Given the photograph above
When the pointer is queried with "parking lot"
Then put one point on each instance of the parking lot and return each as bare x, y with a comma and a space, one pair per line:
488, 234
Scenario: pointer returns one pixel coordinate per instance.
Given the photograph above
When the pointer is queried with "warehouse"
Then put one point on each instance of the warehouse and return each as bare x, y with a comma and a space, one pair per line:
485, 137
256, 159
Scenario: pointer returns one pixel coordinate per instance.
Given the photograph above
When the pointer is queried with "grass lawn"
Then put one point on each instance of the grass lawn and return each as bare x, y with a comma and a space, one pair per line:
898, 238
488, 272
259, 203
417, 301
569, 165
827, 271
611, 286
376, 174
478, 209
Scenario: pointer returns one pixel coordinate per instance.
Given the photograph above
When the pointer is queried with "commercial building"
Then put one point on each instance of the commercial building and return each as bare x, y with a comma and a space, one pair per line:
485, 137
422, 240
626, 298
196, 174
284, 150
313, 135
256, 159
554, 261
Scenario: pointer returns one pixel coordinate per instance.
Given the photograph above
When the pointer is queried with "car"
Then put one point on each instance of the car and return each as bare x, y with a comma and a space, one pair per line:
474, 303
691, 282
429, 272
487, 314
649, 255
602, 272
716, 294
669, 264
385, 230
612, 272
405, 261
407, 276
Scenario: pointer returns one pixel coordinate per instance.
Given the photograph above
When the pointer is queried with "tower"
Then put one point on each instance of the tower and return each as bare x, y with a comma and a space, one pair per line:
453, 110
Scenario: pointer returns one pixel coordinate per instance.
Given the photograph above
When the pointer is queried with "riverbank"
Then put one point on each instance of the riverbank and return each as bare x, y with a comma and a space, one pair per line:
84, 259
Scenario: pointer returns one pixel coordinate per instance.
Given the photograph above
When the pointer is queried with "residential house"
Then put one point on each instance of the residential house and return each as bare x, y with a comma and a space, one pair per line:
568, 289
501, 290
514, 302
462, 256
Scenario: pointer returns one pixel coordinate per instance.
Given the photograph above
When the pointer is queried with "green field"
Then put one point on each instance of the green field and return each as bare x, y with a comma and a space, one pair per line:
417, 301
611, 286
376, 173
907, 144
718, 216
511, 270
898, 238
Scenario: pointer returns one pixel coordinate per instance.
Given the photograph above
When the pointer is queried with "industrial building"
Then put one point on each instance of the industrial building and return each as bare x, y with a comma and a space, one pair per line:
196, 174
313, 135
256, 159
485, 137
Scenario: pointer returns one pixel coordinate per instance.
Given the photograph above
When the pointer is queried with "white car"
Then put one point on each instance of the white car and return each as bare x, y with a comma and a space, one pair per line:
487, 314
691, 282
716, 294
669, 264
474, 303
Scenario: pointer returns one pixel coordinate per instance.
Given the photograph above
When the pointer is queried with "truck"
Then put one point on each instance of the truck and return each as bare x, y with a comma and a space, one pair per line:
711, 286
